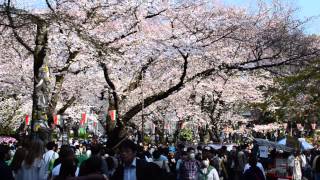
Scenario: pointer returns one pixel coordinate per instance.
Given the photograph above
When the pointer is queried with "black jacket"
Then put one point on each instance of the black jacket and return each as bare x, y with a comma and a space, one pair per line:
144, 171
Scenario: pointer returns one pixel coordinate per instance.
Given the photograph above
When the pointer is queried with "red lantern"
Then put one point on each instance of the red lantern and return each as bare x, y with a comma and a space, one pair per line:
27, 120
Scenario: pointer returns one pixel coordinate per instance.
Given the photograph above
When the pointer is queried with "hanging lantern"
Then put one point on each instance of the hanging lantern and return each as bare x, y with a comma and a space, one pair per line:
27, 120
113, 115
83, 118
57, 119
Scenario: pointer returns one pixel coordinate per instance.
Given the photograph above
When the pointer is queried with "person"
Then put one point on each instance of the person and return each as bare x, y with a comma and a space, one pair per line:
259, 165
17, 160
190, 167
207, 172
163, 164
316, 167
172, 162
96, 152
183, 157
34, 167
62, 154
67, 167
297, 170
254, 172
291, 163
133, 168
93, 170
241, 160
5, 170
50, 156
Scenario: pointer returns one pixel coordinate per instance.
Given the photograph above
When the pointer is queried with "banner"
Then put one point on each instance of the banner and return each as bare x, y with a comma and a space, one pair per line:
27, 120
57, 119
83, 119
263, 151
113, 115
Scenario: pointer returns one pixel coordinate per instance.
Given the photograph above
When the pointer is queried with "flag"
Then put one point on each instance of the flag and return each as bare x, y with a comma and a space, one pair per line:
113, 115
27, 120
83, 118
57, 119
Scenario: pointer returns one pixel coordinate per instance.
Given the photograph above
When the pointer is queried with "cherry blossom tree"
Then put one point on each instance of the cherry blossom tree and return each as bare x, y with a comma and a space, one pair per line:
142, 53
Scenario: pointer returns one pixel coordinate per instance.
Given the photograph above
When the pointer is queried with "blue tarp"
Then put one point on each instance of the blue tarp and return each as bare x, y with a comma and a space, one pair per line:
304, 144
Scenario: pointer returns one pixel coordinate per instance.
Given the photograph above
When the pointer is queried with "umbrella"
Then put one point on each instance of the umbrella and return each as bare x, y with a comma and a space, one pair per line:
304, 144
270, 144
5, 139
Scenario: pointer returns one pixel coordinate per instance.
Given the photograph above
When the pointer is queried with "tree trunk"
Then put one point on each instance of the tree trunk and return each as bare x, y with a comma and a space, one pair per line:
40, 128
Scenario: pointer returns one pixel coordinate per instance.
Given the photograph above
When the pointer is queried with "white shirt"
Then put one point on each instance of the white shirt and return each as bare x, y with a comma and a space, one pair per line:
56, 171
303, 160
213, 174
50, 155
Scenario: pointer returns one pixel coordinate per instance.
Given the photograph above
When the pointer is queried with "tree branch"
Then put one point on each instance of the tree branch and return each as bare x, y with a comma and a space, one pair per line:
159, 96
110, 84
15, 33
67, 105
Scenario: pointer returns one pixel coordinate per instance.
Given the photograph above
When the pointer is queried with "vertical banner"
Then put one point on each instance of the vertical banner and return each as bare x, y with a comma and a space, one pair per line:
57, 119
83, 119
27, 120
113, 115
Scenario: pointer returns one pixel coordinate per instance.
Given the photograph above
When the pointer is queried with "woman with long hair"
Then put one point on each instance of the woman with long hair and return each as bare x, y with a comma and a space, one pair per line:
67, 166
17, 160
34, 167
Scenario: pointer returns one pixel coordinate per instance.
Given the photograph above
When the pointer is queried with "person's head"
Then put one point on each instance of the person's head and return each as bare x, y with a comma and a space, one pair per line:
92, 165
68, 154
205, 162
18, 158
171, 155
67, 169
191, 153
181, 147
4, 152
253, 161
206, 152
35, 151
51, 146
297, 153
110, 163
156, 154
128, 150
184, 155
95, 149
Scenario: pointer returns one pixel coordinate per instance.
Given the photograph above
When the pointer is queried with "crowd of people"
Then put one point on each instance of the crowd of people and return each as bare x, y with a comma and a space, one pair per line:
131, 161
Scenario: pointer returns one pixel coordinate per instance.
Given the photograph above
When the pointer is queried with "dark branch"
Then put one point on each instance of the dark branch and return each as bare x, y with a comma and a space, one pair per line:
67, 105
159, 96
15, 33
154, 14
110, 84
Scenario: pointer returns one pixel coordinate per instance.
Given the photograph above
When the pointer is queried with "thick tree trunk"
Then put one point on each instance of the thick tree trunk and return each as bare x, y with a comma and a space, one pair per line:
40, 128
